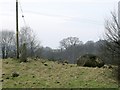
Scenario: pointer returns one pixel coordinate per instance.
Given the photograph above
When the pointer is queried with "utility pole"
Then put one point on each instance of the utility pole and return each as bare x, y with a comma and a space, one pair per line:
119, 13
17, 32
117, 54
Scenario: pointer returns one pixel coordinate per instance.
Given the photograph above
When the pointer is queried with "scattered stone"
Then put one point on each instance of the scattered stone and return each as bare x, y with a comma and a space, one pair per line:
33, 76
105, 66
6, 62
15, 74
20, 83
3, 74
33, 82
58, 82
43, 61
15, 84
71, 75
45, 64
35, 59
7, 77
65, 67
65, 61
35, 64
1, 80
110, 67
63, 64
50, 75
49, 68
21, 63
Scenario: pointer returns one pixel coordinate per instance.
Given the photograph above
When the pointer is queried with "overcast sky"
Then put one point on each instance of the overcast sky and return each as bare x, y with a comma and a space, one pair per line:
53, 20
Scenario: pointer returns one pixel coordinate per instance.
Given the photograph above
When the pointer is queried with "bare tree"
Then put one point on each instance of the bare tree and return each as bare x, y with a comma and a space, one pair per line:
113, 37
68, 42
6, 41
28, 39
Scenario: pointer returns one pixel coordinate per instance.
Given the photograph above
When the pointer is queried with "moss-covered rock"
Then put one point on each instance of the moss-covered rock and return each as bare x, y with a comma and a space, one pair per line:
90, 60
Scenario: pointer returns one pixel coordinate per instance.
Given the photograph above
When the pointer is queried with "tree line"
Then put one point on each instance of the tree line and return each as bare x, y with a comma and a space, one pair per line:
28, 44
70, 48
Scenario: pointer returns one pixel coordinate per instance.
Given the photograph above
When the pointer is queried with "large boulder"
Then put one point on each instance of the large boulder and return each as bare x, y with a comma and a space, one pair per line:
90, 60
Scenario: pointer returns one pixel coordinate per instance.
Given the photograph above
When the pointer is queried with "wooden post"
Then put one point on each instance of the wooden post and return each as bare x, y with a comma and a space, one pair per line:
17, 32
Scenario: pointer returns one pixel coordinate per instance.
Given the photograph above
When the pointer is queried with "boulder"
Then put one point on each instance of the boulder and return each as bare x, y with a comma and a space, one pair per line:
90, 60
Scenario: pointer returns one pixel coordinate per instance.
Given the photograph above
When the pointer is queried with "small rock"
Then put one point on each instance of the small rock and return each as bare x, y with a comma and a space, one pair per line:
43, 61
15, 84
58, 82
69, 83
20, 83
1, 80
21, 63
35, 59
7, 77
6, 62
71, 75
65, 67
34, 83
45, 64
65, 61
35, 64
110, 67
3, 74
63, 64
15, 74
38, 82
105, 66
50, 75
49, 68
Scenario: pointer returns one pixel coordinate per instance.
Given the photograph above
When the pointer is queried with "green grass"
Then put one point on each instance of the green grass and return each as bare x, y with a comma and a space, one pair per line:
34, 74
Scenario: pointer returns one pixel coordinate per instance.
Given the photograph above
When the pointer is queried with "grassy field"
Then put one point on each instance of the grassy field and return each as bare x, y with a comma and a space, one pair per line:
49, 74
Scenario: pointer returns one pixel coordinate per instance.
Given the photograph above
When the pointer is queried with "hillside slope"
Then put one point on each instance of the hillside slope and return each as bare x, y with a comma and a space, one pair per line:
43, 74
